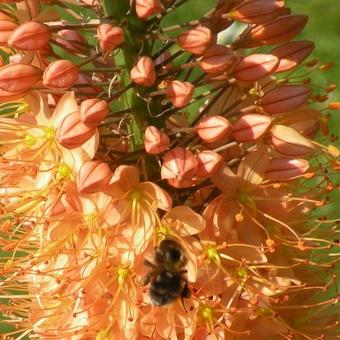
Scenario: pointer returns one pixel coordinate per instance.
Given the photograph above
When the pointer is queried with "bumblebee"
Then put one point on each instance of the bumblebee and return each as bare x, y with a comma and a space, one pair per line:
167, 276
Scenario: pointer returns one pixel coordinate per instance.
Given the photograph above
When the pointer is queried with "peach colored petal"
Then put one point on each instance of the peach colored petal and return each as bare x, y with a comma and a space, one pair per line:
124, 179
66, 105
188, 222
254, 166
164, 200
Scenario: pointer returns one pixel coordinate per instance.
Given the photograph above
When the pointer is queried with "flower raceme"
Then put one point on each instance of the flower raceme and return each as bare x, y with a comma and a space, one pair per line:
152, 132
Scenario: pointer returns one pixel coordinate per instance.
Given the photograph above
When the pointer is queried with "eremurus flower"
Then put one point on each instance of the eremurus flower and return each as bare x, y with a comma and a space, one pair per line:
168, 136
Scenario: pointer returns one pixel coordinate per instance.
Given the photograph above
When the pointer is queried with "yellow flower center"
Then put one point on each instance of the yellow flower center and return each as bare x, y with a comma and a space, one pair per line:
48, 133
30, 140
163, 231
90, 219
246, 200
136, 195
242, 272
212, 254
64, 171
122, 273
207, 313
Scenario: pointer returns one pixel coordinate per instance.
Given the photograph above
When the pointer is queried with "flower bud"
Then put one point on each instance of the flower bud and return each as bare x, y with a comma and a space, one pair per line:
305, 121
180, 93
208, 162
7, 28
255, 67
6, 96
146, 8
292, 54
162, 58
250, 127
71, 40
213, 128
30, 36
196, 40
289, 142
19, 77
285, 98
281, 169
93, 176
143, 73
72, 132
85, 79
93, 111
217, 59
257, 11
179, 165
60, 74
279, 30
155, 141
109, 36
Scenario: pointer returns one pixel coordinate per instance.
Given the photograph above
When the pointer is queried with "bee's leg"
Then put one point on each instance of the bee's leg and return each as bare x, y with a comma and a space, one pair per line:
146, 279
149, 264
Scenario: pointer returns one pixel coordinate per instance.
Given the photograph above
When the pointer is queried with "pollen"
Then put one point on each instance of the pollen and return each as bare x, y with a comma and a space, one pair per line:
212, 254
48, 133
30, 140
207, 313
122, 273
64, 171
242, 272
163, 230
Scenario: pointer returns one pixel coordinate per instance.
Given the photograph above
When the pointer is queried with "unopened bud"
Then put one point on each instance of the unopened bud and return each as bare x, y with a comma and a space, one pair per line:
109, 36
7, 28
213, 128
289, 142
255, 67
146, 8
143, 73
93, 111
71, 40
155, 141
217, 59
250, 127
30, 36
60, 74
285, 98
93, 176
72, 132
179, 166
209, 162
281, 169
292, 54
196, 40
180, 93
19, 77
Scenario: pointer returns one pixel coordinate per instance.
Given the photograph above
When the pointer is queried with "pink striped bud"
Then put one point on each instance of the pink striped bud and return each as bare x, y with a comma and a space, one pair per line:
93, 176
256, 66
60, 74
19, 77
257, 11
85, 79
93, 111
7, 28
30, 36
6, 96
143, 73
180, 93
289, 142
208, 162
285, 98
250, 127
162, 58
213, 128
155, 141
279, 30
217, 59
146, 8
179, 167
292, 54
109, 36
72, 132
281, 169
71, 40
305, 121
196, 40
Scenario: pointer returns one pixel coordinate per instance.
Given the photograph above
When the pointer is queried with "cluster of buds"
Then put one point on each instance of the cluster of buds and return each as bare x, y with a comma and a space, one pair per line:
118, 132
